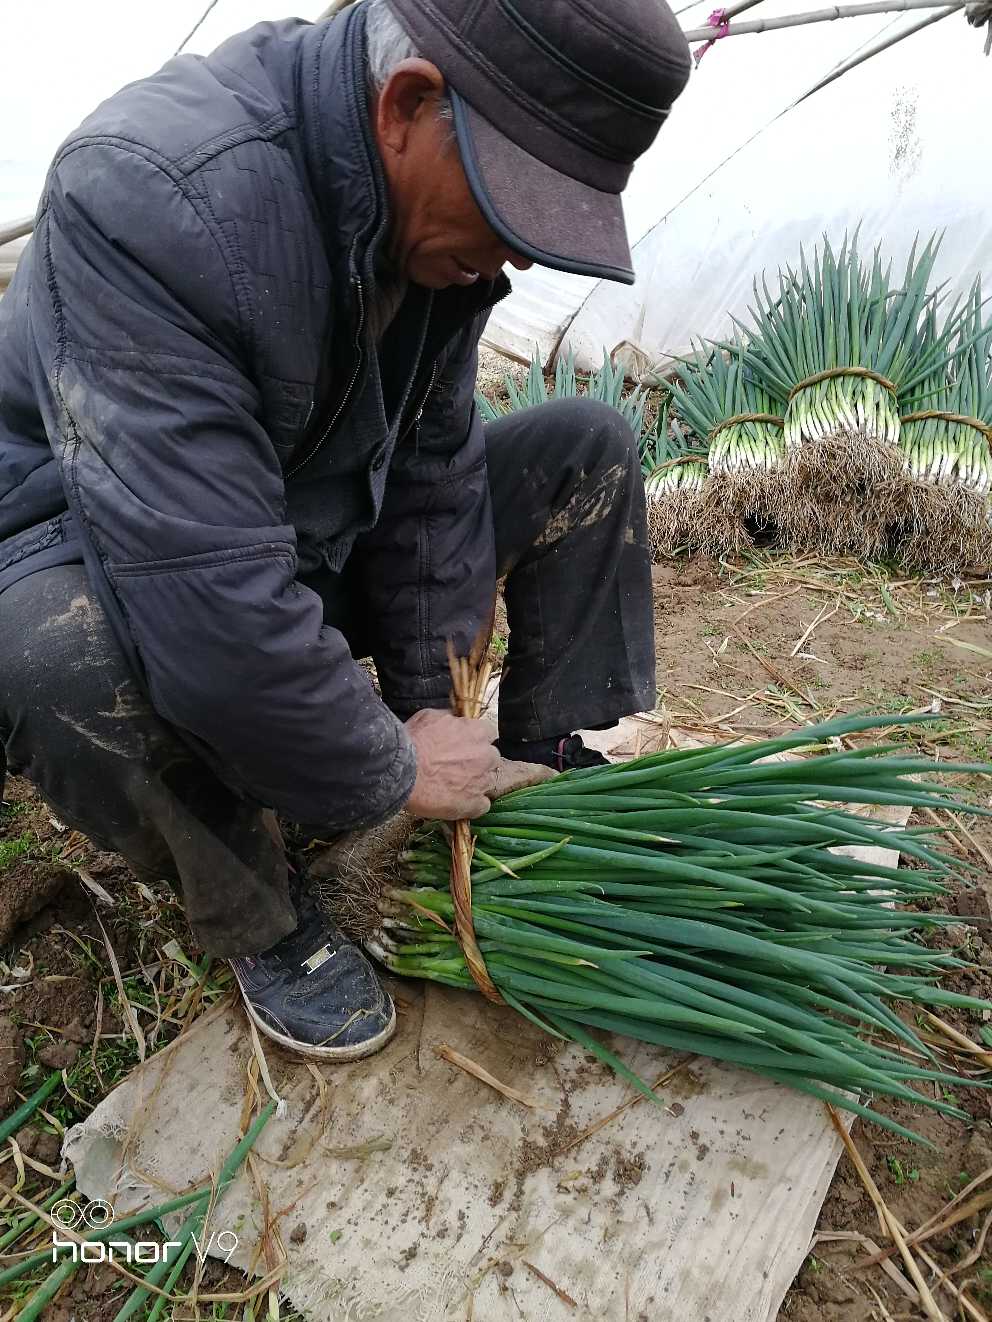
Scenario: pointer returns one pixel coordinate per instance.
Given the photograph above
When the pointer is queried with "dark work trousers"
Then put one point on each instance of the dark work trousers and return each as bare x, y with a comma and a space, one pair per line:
569, 517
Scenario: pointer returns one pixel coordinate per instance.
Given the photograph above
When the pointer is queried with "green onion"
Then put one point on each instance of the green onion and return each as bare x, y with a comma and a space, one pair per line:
682, 511
947, 460
840, 344
730, 410
608, 385
694, 899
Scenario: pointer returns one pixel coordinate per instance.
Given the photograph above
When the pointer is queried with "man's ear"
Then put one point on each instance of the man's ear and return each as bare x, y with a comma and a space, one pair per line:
414, 89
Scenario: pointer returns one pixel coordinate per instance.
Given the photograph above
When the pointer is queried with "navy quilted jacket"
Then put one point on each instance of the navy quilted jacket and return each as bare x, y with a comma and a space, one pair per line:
191, 405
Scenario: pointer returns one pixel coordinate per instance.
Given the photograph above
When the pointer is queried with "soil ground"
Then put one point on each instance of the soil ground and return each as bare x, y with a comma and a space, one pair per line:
760, 646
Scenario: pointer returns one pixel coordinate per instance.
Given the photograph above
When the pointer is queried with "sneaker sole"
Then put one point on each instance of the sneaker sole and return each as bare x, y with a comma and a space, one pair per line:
341, 1054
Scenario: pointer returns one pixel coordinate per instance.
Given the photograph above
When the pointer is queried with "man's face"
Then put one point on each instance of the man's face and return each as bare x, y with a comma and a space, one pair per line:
438, 236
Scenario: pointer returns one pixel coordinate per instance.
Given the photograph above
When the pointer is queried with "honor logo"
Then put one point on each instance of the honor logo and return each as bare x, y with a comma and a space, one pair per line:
99, 1215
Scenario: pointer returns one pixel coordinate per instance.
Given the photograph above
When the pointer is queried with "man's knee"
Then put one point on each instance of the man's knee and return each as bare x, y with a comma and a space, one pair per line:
595, 433
65, 688
69, 647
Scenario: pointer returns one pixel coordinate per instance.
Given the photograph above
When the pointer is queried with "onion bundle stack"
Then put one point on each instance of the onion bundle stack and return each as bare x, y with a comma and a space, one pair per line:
692, 899
838, 345
719, 396
946, 444
682, 512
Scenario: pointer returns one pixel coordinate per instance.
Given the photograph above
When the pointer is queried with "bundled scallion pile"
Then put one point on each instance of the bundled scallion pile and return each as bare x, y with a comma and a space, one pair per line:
683, 512
838, 345
733, 413
946, 443
693, 899
853, 416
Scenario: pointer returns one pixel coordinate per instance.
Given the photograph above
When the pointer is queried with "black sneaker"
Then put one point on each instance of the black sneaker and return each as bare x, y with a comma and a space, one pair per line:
571, 752
562, 754
314, 992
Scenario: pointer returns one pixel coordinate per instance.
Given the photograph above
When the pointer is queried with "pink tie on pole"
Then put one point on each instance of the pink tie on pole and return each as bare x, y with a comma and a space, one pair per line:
720, 21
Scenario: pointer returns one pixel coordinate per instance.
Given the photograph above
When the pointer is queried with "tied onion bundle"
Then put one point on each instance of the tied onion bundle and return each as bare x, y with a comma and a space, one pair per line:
947, 453
722, 400
683, 513
693, 899
837, 346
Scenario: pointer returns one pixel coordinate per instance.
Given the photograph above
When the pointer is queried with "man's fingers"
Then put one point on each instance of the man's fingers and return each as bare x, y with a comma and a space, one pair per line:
478, 807
518, 775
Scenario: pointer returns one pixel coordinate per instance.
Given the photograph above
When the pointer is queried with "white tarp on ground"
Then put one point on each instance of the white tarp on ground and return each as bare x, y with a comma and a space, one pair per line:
733, 185
703, 1210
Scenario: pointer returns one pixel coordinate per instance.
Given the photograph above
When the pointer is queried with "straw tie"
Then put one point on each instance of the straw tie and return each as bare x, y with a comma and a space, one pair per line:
771, 418
958, 419
832, 372
469, 677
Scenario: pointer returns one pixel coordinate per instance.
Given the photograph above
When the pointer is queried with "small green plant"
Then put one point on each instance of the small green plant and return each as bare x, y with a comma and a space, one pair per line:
11, 851
899, 1174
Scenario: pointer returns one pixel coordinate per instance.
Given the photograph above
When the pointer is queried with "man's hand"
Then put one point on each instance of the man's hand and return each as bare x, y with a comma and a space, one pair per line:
456, 765
518, 775
458, 769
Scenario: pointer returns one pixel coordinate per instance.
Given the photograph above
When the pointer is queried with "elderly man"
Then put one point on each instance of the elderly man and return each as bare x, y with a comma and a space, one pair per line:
238, 449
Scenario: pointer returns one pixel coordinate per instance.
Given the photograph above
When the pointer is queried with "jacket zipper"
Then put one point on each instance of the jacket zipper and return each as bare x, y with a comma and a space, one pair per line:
423, 403
347, 394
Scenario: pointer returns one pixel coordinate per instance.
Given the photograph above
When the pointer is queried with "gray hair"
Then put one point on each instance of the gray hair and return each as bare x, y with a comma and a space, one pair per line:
389, 44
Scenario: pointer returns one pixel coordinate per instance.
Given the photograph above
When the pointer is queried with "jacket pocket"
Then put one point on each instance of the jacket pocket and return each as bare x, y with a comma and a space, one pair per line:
27, 543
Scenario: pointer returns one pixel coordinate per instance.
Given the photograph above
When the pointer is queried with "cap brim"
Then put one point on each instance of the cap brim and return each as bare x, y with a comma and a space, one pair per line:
542, 214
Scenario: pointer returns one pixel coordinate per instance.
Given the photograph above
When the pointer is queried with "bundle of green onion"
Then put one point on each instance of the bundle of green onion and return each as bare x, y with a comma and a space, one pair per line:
693, 899
946, 444
840, 343
837, 345
729, 408
684, 514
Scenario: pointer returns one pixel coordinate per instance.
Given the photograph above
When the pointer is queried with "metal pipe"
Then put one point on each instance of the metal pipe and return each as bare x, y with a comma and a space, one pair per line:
812, 16
16, 229
893, 40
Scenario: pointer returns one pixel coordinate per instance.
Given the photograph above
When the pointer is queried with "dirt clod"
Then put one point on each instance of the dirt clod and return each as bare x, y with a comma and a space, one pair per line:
978, 1154
38, 1143
59, 1055
76, 1031
25, 892
628, 1169
11, 1062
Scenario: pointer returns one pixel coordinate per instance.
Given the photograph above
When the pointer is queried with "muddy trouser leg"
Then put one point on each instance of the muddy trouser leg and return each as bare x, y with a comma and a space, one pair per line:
571, 536
74, 723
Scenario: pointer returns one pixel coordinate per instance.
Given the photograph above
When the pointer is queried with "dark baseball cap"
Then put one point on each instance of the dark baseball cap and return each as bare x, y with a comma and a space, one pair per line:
554, 100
